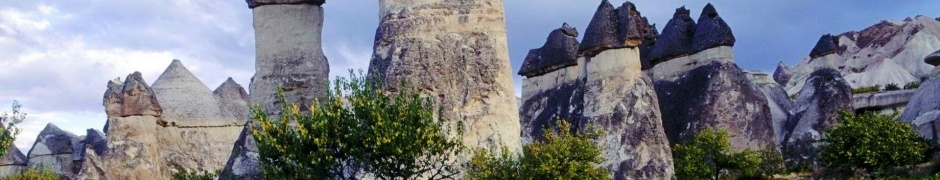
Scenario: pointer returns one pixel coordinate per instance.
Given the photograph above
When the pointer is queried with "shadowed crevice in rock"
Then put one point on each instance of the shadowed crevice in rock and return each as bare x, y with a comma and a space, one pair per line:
711, 31
559, 51
676, 39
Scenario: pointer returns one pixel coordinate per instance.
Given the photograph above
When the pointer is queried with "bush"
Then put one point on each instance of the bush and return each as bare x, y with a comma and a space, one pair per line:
912, 85
870, 143
869, 89
709, 156
562, 155
892, 87
34, 174
205, 175
357, 129
8, 129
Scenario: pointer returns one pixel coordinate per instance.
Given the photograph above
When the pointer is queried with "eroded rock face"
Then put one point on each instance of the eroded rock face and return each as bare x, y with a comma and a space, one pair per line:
560, 51
132, 98
676, 39
711, 31
612, 28
923, 110
233, 100
56, 150
556, 94
456, 52
933, 58
92, 166
815, 109
13, 162
782, 74
778, 101
133, 151
244, 160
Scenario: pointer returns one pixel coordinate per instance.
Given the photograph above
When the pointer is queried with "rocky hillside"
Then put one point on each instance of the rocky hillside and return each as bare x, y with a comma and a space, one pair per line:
890, 52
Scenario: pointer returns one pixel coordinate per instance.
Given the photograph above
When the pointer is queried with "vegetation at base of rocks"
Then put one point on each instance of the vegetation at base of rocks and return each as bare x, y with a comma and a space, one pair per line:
34, 174
871, 143
561, 155
358, 129
709, 156
868, 89
892, 87
8, 129
205, 175
912, 85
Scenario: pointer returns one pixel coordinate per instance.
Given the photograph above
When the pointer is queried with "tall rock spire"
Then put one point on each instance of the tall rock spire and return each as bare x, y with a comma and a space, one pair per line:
711, 31
676, 39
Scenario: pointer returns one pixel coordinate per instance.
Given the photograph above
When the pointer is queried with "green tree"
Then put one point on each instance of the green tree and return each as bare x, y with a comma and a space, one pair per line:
357, 129
205, 175
34, 174
871, 142
562, 155
709, 156
8, 129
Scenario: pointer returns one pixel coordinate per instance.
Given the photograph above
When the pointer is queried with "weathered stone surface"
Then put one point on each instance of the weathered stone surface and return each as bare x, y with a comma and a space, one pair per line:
619, 100
256, 3
602, 32
923, 110
134, 149
13, 162
97, 141
244, 160
631, 26
456, 52
185, 100
559, 51
288, 55
778, 101
711, 31
676, 39
92, 166
825, 93
56, 150
646, 49
233, 101
782, 74
933, 58
826, 45
715, 95
132, 98
549, 97
883, 102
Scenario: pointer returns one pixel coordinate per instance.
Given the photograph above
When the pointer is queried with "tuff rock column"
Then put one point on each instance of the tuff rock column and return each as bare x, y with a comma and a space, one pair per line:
456, 52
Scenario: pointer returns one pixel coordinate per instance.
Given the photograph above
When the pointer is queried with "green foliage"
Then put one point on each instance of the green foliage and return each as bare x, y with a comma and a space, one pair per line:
205, 175
562, 155
869, 89
871, 142
8, 129
710, 156
34, 174
912, 85
357, 128
892, 87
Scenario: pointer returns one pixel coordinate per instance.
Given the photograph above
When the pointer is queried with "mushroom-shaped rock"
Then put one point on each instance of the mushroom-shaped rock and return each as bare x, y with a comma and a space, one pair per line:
782, 74
827, 44
57, 150
602, 32
824, 94
184, 98
256, 3
559, 51
243, 163
676, 38
133, 98
711, 31
233, 100
13, 162
631, 26
933, 59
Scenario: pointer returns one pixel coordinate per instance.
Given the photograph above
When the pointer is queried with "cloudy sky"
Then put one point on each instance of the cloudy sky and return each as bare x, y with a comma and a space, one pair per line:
56, 56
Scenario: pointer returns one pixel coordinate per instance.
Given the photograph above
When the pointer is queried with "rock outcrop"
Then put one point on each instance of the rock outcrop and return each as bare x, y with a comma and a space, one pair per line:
13, 162
778, 101
890, 52
132, 137
782, 74
923, 110
556, 92
560, 51
815, 109
676, 39
57, 150
606, 89
244, 160
706, 89
456, 52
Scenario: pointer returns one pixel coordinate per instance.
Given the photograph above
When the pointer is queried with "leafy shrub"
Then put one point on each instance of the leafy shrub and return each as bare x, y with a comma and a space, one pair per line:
8, 129
869, 89
34, 174
709, 156
871, 142
562, 155
912, 85
357, 128
892, 87
205, 175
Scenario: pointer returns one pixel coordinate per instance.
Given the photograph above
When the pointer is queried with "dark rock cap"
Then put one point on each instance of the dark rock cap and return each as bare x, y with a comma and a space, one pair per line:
559, 51
676, 39
649, 41
782, 74
827, 44
601, 33
711, 31
256, 3
55, 140
631, 26
933, 59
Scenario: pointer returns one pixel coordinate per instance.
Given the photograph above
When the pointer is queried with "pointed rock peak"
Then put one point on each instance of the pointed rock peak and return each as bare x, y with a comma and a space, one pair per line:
933, 59
782, 65
827, 44
559, 51
178, 76
681, 12
135, 77
50, 128
632, 25
135, 98
676, 39
602, 31
231, 89
711, 31
568, 30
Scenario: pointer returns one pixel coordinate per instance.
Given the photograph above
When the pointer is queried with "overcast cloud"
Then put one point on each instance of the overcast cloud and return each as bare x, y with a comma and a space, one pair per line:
58, 55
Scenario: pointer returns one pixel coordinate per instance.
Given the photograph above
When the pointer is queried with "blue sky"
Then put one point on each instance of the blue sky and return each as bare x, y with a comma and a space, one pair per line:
58, 55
